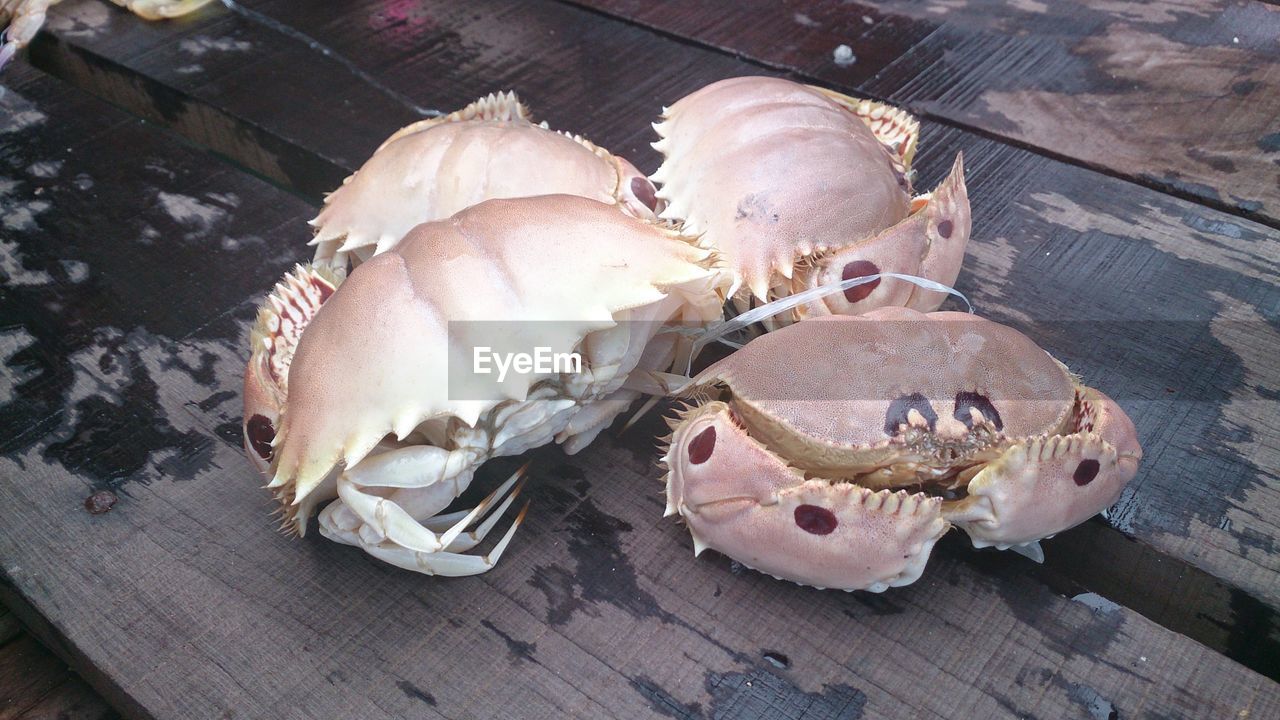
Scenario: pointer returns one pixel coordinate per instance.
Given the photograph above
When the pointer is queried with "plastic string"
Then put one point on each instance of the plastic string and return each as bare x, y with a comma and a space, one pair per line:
717, 332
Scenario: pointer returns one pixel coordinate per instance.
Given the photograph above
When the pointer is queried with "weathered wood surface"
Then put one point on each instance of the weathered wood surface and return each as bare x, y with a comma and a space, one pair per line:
1169, 305
131, 265
1182, 96
35, 685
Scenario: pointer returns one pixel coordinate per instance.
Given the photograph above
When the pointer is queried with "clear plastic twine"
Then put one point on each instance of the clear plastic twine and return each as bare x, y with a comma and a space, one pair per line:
703, 337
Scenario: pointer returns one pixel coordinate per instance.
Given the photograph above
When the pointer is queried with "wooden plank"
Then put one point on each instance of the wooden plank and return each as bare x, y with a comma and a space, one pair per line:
10, 628
1168, 305
1183, 97
28, 673
35, 685
73, 700
181, 601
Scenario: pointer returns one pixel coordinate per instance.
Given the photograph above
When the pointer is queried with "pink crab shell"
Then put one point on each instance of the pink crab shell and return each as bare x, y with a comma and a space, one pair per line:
814, 469
334, 371
798, 186
434, 168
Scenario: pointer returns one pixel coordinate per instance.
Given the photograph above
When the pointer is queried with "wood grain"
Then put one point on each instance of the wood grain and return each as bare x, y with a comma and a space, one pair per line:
1166, 304
1180, 96
181, 601
35, 685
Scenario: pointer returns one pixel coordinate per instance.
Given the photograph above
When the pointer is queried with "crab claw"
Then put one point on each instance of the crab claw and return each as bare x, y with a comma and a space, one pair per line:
21, 21
929, 243
744, 501
1045, 485
636, 192
281, 319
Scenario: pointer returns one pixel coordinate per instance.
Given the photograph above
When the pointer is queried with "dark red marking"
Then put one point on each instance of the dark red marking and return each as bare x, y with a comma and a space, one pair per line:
645, 192
260, 434
944, 229
966, 400
816, 520
702, 446
896, 415
324, 288
1086, 471
100, 502
857, 269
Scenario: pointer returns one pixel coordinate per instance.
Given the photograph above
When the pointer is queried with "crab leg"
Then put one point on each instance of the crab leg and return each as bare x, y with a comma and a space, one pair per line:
21, 20
1045, 485
447, 563
379, 521
417, 481
741, 499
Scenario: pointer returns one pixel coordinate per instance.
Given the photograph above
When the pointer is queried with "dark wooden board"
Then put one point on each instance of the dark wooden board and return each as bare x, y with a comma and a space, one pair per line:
1183, 97
1166, 304
123, 351
35, 685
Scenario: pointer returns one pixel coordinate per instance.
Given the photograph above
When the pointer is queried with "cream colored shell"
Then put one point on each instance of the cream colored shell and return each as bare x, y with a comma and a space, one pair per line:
769, 170
435, 168
374, 360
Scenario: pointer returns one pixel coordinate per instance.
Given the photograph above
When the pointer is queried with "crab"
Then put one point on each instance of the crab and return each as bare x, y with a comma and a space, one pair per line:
836, 451
348, 393
433, 168
799, 186
22, 19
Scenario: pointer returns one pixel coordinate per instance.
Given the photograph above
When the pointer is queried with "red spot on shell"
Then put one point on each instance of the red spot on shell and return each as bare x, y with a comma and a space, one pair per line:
702, 446
944, 229
816, 520
260, 434
857, 269
644, 192
1086, 471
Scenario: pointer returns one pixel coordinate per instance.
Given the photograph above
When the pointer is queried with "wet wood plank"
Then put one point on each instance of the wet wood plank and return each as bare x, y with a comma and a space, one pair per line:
27, 674
1183, 97
10, 628
131, 282
1140, 292
35, 685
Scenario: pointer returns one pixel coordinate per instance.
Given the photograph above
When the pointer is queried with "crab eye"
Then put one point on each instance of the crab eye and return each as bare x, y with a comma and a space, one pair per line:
900, 408
260, 434
977, 401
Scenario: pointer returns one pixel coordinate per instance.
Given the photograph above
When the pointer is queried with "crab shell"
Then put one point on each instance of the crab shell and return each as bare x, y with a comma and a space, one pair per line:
434, 168
336, 369
798, 186
845, 447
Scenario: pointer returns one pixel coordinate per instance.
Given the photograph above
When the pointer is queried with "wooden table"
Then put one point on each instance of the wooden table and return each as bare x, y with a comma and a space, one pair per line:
1124, 170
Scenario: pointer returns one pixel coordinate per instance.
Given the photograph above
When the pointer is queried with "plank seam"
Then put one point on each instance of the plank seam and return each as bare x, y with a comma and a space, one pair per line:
1149, 183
